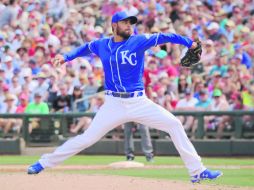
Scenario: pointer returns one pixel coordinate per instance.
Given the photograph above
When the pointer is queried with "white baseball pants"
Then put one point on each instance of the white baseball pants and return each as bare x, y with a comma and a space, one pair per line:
117, 111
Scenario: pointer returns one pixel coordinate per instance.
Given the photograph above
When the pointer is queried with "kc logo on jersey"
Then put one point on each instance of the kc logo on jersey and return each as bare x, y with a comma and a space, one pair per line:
131, 58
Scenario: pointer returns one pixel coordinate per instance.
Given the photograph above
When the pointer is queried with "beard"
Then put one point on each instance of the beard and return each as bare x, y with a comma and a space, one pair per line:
125, 35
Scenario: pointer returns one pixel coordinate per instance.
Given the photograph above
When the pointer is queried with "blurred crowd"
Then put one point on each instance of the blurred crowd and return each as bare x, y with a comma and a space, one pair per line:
32, 32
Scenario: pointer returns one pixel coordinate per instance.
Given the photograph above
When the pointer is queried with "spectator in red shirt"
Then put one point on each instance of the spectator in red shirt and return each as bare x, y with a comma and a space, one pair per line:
23, 102
166, 65
147, 83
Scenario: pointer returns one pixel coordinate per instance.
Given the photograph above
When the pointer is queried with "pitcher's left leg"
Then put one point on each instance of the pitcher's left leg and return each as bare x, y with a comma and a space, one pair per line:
151, 114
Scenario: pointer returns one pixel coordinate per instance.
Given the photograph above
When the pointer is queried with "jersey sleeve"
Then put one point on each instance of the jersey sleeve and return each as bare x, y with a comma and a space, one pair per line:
81, 51
150, 40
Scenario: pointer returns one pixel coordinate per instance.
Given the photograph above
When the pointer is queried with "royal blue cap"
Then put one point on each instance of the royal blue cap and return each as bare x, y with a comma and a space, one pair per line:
118, 16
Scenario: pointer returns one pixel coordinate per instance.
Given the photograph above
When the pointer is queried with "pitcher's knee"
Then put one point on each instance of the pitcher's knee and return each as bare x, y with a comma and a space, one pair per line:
174, 124
87, 141
177, 123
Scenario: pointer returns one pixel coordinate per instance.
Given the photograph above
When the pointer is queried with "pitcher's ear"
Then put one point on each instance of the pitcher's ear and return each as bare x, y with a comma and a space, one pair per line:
113, 26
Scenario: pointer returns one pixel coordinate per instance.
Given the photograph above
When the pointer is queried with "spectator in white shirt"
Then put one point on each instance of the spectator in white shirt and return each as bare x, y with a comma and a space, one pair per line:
7, 123
8, 68
15, 87
129, 8
187, 104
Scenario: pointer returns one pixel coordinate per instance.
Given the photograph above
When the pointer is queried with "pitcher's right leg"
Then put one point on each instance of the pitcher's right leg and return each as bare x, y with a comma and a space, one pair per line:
109, 116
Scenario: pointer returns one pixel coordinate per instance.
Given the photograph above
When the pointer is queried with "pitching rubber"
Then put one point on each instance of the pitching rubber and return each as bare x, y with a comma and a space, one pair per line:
126, 164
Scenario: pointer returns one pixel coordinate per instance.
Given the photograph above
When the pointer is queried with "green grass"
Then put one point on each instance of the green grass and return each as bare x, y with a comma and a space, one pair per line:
102, 160
235, 177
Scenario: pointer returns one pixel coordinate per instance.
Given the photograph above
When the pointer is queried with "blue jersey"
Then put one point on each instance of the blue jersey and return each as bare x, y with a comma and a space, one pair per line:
123, 62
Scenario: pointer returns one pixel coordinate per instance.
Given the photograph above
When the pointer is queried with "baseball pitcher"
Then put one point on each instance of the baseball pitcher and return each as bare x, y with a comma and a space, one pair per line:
122, 56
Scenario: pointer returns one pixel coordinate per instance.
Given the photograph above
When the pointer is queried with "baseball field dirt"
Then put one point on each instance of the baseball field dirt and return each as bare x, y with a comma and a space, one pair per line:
54, 181
15, 178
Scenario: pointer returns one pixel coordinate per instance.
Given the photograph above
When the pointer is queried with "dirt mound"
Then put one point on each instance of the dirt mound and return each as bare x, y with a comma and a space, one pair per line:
55, 180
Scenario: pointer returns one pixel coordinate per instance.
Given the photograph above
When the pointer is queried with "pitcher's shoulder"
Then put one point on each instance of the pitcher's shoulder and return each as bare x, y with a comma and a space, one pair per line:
145, 36
99, 42
137, 38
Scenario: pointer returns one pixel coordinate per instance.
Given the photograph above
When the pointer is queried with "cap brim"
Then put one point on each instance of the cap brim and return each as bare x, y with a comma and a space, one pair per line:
133, 19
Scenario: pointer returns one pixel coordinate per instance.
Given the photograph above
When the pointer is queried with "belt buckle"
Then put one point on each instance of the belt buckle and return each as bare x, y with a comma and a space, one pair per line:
124, 95
115, 94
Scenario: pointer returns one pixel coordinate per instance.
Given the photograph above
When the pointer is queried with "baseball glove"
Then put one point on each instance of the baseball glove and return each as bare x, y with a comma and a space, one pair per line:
192, 56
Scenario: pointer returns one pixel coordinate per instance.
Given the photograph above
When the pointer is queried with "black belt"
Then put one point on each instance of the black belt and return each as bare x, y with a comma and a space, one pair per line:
124, 94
